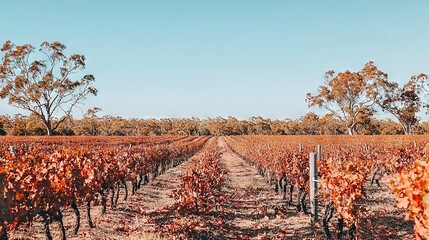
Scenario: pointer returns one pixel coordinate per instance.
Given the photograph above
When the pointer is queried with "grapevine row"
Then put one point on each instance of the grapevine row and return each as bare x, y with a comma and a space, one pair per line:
343, 172
198, 199
43, 181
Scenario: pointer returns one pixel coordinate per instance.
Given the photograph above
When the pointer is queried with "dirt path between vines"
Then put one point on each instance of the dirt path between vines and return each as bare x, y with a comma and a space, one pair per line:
254, 210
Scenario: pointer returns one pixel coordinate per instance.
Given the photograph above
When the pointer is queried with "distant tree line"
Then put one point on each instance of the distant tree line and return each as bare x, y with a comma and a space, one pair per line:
49, 84
92, 125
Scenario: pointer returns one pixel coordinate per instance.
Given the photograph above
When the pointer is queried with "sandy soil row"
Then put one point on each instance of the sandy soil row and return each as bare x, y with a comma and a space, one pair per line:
255, 210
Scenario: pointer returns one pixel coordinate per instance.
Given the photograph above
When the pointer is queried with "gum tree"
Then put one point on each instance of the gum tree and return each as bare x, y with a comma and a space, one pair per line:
403, 102
45, 86
346, 95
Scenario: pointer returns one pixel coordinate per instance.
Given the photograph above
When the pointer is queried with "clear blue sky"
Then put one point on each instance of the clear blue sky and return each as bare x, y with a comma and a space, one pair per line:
225, 57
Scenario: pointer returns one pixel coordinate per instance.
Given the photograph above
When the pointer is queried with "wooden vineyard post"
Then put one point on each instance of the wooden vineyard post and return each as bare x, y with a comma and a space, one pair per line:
415, 143
12, 150
300, 147
319, 152
313, 188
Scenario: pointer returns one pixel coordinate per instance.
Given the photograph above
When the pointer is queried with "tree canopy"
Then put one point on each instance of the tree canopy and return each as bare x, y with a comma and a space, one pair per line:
346, 94
403, 102
352, 98
44, 86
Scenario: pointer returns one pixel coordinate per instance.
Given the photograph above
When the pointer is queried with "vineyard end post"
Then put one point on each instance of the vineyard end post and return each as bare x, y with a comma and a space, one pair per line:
300, 147
12, 150
313, 188
319, 152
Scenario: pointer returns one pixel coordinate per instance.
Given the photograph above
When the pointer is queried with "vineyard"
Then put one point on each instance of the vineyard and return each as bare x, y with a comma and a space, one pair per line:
232, 187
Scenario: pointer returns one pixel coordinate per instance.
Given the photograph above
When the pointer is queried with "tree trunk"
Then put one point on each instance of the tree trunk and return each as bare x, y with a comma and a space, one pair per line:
48, 126
407, 129
50, 132
350, 130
